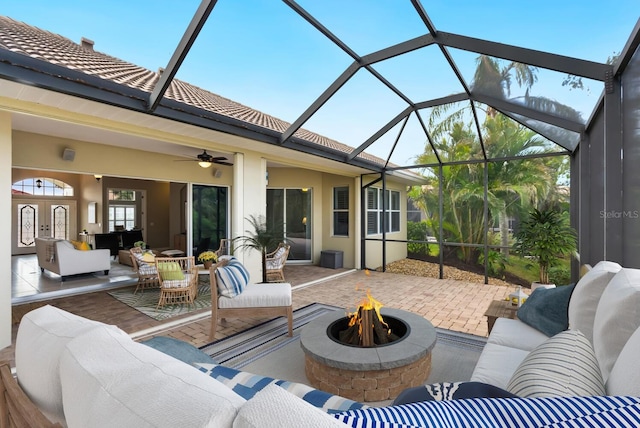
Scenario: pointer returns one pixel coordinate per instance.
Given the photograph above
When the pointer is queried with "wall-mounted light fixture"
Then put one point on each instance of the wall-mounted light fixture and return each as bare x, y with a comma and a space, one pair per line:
39, 183
97, 177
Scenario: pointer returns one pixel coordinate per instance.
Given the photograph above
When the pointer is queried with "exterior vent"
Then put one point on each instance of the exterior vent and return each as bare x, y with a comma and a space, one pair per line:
86, 43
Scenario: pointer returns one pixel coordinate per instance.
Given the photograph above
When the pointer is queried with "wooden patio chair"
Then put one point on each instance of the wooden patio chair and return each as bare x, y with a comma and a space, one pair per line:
275, 263
178, 277
145, 269
252, 300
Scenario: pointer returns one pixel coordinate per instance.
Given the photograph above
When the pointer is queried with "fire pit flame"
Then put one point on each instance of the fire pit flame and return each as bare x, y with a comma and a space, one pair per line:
366, 326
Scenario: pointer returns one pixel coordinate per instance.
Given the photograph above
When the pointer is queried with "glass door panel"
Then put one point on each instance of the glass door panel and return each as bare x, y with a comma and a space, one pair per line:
210, 217
291, 208
41, 218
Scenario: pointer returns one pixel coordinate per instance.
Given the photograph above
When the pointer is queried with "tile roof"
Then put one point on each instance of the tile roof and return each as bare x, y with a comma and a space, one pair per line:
41, 44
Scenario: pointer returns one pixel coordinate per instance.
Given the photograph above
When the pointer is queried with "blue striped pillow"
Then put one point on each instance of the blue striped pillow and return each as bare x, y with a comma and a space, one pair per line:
602, 411
232, 279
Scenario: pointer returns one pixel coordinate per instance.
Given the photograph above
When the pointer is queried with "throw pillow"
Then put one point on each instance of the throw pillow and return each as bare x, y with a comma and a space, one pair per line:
148, 258
84, 246
451, 391
547, 309
232, 279
617, 317
565, 365
585, 298
76, 244
170, 271
275, 407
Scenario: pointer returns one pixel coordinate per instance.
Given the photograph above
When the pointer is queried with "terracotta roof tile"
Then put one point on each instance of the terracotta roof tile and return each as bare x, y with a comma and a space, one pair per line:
22, 38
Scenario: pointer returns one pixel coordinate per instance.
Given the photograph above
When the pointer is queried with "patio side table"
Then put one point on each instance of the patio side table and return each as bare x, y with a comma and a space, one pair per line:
500, 309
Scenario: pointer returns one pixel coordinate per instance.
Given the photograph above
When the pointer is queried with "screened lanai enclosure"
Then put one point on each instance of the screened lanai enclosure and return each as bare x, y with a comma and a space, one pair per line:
483, 120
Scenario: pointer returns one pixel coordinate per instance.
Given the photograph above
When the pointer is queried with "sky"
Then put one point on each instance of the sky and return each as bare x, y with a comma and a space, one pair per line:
262, 54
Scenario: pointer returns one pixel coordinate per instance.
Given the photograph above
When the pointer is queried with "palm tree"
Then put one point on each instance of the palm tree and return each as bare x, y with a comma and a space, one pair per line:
262, 239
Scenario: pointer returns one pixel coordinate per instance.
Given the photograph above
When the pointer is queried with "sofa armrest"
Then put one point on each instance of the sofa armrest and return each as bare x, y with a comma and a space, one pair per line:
16, 406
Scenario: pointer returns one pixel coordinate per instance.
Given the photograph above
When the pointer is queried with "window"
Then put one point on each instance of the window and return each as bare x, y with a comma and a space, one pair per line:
341, 211
122, 216
41, 187
374, 211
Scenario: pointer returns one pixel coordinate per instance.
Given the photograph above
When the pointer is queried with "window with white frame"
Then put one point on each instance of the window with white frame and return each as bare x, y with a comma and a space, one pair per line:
374, 210
341, 211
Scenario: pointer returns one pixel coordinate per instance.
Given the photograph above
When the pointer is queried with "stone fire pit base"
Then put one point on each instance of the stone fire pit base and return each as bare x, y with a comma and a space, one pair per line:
368, 374
370, 385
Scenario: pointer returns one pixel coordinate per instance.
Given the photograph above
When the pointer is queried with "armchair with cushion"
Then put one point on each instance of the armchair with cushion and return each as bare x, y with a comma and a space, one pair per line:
178, 277
232, 295
144, 265
275, 263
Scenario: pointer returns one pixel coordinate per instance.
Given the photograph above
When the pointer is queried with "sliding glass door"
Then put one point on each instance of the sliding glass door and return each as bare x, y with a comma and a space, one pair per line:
291, 209
210, 217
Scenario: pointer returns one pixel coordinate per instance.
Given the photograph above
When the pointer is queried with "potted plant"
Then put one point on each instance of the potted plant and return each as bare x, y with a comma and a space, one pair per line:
262, 239
545, 236
207, 258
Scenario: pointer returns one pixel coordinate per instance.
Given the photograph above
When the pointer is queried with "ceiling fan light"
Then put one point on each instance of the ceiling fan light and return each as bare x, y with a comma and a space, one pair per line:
204, 164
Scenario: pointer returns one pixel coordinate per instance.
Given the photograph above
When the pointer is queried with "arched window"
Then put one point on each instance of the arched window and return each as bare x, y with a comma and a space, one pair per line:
41, 186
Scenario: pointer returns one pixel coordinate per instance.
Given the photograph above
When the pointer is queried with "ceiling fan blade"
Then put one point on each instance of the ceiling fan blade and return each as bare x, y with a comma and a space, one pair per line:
219, 162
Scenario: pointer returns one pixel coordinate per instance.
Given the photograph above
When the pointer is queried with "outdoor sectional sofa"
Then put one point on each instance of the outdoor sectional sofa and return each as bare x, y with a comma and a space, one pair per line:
82, 373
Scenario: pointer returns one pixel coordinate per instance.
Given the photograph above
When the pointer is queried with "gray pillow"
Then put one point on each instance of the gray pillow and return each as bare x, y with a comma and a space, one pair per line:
547, 309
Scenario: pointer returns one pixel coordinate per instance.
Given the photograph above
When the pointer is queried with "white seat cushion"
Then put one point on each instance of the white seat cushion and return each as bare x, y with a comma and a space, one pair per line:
617, 317
108, 380
497, 364
259, 295
515, 334
42, 335
586, 295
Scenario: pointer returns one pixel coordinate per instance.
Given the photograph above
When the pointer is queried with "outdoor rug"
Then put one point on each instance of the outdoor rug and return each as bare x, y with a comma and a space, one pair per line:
147, 301
266, 349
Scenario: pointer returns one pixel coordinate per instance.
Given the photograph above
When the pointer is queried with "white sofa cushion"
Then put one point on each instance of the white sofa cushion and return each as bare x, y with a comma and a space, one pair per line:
617, 317
42, 335
565, 365
108, 380
497, 364
259, 295
515, 334
586, 295
275, 407
625, 376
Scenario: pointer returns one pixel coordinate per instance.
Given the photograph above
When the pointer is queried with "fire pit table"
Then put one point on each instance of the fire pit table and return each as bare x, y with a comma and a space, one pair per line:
374, 373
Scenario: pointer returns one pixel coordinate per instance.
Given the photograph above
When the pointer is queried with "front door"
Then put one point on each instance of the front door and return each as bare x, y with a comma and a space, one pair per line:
41, 218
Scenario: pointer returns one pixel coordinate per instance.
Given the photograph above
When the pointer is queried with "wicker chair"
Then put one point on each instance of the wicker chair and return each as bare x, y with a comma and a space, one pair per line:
275, 263
147, 272
224, 249
178, 278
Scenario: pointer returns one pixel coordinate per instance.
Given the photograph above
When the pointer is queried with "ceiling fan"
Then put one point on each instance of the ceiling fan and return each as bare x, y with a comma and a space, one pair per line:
205, 160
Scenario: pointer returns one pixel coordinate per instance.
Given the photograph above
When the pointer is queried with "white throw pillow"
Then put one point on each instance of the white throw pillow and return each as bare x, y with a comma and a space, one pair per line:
586, 295
617, 317
275, 407
42, 335
625, 376
108, 380
564, 365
